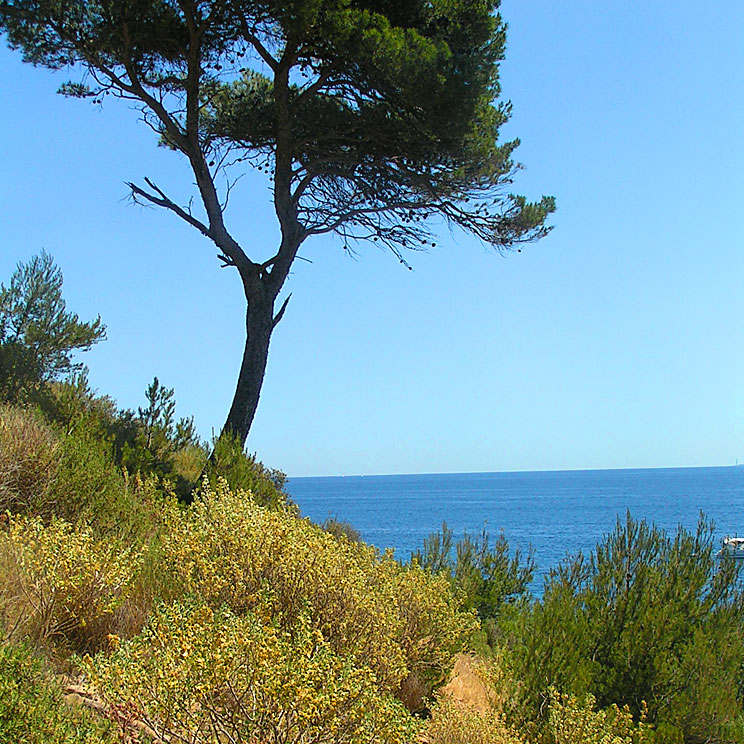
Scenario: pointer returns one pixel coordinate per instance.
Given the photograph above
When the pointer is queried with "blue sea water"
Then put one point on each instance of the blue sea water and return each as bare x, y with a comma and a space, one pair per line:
557, 513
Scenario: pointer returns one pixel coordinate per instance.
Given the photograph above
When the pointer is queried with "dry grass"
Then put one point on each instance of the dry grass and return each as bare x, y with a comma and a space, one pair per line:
29, 456
453, 722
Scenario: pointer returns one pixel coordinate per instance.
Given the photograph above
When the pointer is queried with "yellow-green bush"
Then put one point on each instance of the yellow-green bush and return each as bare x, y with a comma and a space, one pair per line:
396, 620
431, 623
571, 721
456, 723
61, 583
206, 676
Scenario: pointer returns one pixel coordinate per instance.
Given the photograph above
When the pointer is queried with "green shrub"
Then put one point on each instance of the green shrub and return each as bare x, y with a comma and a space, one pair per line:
32, 710
158, 444
341, 530
89, 488
92, 490
148, 442
60, 583
71, 403
243, 472
647, 618
397, 620
201, 676
492, 578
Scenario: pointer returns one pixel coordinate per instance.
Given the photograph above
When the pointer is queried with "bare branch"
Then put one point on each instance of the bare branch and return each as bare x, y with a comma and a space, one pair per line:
302, 186
314, 87
161, 200
259, 47
228, 188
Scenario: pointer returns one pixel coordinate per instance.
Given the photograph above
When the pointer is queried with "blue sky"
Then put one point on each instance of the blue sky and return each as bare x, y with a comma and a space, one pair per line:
618, 341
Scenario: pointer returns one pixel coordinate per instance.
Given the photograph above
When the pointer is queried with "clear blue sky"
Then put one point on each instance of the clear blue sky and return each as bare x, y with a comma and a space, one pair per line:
618, 341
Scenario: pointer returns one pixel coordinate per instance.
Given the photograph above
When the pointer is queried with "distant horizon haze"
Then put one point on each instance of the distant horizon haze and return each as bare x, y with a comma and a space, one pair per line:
533, 471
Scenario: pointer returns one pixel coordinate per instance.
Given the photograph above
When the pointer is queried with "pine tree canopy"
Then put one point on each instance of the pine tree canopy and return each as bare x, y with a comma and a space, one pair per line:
375, 120
377, 114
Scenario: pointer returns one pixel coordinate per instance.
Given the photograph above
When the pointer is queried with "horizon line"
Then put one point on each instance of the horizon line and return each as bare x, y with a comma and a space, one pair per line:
507, 472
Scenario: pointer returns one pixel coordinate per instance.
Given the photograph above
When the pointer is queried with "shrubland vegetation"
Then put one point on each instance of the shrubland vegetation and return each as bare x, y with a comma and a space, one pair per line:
194, 603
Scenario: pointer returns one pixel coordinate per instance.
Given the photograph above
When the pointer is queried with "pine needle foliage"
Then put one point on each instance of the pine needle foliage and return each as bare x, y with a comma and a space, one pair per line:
38, 335
491, 576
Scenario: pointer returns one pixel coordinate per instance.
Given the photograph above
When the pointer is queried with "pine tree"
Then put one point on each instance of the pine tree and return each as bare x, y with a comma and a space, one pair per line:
38, 336
374, 121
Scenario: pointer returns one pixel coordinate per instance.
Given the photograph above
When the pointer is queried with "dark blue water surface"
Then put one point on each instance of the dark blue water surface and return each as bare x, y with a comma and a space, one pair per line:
557, 513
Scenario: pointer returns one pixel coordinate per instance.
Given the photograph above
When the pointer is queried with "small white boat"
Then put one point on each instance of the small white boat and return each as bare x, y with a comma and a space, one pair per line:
733, 547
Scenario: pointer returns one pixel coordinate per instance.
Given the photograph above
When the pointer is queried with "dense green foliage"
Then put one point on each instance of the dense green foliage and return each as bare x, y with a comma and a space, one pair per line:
649, 621
490, 575
384, 113
244, 472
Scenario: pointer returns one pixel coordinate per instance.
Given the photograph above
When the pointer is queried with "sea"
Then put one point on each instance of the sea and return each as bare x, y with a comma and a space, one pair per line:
556, 513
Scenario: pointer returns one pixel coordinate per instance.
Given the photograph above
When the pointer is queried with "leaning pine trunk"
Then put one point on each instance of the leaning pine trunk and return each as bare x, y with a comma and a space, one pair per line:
259, 324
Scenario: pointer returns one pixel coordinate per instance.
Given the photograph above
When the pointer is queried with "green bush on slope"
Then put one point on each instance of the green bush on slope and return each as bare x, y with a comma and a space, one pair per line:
648, 619
243, 472
32, 710
493, 579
